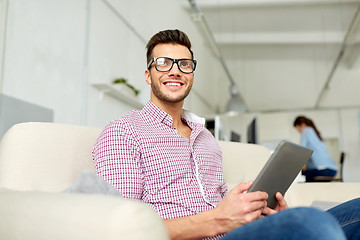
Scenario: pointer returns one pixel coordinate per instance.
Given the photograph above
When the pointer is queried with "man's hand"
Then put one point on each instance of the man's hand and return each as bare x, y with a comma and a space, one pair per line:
239, 208
282, 205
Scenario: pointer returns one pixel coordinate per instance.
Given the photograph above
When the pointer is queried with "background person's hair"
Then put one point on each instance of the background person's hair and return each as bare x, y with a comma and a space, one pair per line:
168, 36
308, 122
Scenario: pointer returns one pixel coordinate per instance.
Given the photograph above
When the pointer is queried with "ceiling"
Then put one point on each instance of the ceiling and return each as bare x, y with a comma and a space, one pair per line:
286, 54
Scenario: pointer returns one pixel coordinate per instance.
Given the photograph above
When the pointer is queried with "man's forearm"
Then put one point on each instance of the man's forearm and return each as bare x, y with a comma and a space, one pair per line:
197, 226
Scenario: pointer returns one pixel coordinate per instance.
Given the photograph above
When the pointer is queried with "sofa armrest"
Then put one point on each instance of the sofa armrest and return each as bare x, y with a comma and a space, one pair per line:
304, 194
42, 215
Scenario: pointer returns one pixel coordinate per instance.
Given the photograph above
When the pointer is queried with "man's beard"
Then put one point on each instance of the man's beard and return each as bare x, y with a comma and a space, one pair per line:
167, 98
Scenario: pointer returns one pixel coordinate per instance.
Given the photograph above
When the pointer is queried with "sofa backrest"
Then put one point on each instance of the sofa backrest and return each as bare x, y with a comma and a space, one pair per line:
45, 156
50, 156
242, 162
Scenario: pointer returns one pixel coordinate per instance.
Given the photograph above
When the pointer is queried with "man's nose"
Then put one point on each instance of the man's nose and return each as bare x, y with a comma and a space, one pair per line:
175, 70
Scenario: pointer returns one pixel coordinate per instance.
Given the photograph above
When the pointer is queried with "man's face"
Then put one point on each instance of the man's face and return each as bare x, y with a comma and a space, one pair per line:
172, 86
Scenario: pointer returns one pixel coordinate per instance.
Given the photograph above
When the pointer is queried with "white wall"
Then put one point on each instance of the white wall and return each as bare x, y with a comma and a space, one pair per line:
44, 55
3, 14
55, 50
351, 144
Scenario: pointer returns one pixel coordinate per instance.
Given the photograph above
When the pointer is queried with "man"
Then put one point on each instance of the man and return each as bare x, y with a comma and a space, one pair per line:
165, 157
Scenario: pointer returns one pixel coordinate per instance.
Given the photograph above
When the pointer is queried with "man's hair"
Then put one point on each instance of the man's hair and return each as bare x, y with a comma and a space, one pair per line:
168, 36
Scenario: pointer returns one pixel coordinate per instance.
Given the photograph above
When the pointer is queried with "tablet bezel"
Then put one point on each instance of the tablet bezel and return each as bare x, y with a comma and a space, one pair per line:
280, 170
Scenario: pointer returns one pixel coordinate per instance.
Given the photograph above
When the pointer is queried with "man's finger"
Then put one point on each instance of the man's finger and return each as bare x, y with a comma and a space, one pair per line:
242, 187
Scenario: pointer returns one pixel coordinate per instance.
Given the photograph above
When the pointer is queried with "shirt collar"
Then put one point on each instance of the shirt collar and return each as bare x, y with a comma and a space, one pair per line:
161, 116
192, 117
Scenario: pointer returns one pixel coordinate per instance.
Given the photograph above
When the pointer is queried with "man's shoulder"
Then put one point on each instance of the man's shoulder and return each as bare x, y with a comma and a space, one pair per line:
127, 120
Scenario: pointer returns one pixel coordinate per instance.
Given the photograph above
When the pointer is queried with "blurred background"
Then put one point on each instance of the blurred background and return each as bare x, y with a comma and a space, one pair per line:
260, 64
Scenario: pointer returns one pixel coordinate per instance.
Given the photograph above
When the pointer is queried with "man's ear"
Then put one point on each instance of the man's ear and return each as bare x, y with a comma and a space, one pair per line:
147, 76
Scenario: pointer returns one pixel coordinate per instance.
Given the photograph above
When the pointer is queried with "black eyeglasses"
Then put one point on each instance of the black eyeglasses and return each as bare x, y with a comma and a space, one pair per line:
165, 64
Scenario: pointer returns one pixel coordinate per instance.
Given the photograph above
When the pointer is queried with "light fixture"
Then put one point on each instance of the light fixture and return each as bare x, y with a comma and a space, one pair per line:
235, 103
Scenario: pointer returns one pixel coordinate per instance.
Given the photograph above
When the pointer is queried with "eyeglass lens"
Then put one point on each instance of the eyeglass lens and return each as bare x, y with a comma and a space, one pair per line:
164, 64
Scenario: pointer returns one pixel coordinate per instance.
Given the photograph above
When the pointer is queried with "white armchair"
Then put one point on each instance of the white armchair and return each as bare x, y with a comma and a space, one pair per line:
40, 160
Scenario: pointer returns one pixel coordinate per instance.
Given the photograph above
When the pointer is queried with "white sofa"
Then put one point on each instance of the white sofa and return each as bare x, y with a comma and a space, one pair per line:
38, 161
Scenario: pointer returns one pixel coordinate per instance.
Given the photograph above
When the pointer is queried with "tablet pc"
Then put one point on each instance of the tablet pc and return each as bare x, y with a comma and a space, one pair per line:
280, 170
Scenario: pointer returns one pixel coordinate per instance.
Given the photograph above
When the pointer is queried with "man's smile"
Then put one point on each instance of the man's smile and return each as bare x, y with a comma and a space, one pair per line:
173, 83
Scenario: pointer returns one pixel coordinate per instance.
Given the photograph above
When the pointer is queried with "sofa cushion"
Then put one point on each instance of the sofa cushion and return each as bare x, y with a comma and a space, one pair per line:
35, 215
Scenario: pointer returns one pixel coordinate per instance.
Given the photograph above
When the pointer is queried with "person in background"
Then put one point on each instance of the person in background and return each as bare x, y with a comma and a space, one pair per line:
320, 163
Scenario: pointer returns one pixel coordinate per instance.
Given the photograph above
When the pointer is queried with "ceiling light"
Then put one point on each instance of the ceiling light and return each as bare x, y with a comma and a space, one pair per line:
235, 103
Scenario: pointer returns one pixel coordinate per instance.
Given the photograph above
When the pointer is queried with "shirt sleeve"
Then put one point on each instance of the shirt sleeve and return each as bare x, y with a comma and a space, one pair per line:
117, 157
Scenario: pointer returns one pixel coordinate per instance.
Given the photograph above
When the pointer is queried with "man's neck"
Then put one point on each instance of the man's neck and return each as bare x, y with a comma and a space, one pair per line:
174, 110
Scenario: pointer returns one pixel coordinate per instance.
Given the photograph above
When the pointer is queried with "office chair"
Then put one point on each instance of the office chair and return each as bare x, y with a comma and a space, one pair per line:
333, 179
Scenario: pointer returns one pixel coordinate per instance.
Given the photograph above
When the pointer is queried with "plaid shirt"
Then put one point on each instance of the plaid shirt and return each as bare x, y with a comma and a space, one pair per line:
145, 158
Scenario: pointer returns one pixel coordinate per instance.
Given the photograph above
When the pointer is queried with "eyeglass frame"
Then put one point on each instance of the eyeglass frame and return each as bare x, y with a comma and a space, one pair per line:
173, 61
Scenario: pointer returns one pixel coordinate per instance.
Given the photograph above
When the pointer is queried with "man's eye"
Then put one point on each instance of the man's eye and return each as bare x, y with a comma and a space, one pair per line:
185, 63
161, 62
164, 62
